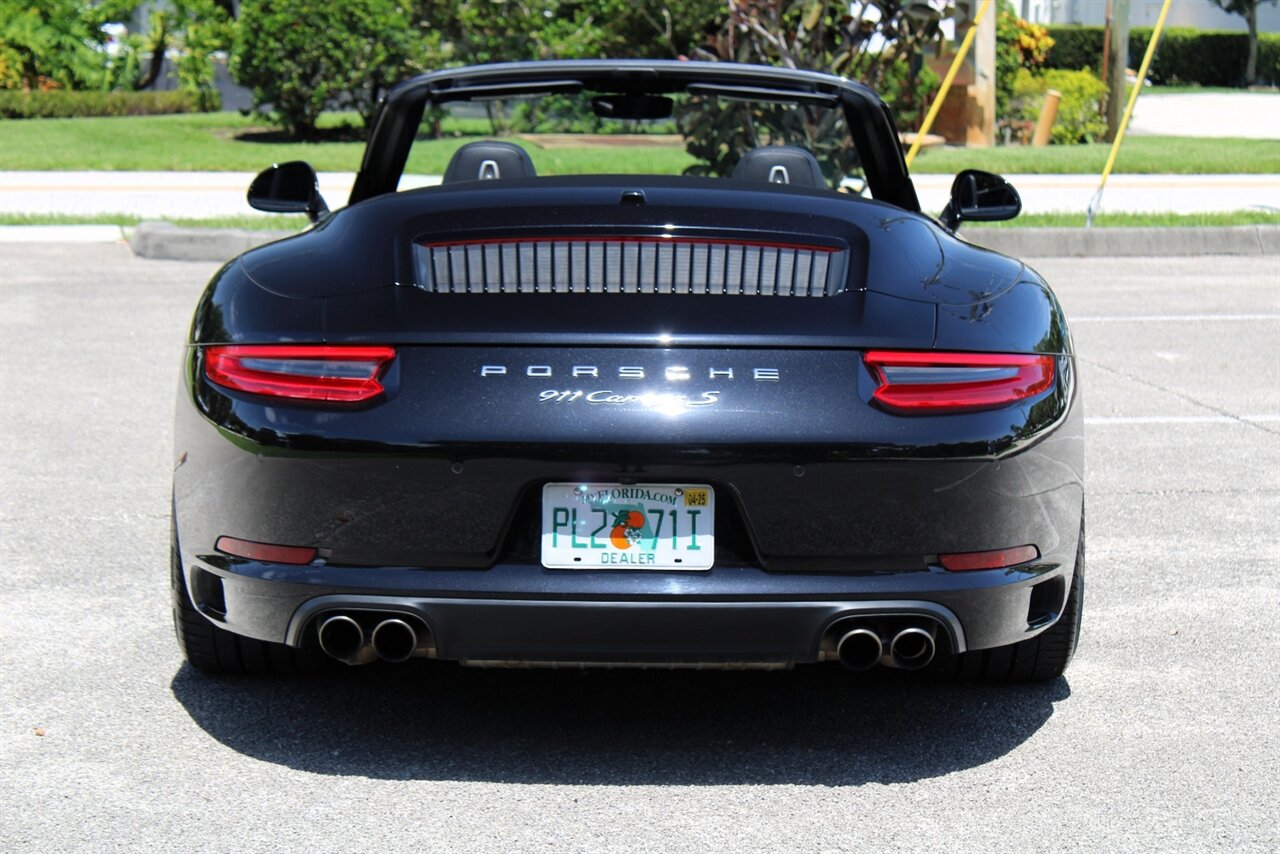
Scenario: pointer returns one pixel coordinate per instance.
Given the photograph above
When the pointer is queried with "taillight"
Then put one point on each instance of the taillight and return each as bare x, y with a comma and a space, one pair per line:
266, 552
300, 371
998, 559
927, 383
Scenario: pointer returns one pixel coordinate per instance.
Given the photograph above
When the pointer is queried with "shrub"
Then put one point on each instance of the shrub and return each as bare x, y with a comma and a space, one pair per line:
61, 104
301, 56
1269, 58
1079, 111
1075, 48
1185, 56
1019, 45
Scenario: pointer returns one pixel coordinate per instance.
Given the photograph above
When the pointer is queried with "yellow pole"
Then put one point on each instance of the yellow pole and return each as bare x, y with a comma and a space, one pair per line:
946, 82
1128, 111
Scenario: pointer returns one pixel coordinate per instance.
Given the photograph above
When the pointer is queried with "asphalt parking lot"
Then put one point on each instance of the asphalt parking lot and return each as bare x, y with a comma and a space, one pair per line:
1163, 735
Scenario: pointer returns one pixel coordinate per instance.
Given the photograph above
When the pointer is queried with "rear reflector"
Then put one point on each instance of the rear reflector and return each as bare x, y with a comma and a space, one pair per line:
300, 371
998, 559
936, 383
265, 552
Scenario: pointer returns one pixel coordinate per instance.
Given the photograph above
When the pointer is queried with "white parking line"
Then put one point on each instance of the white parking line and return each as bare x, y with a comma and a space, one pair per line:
1168, 318
1107, 420
61, 234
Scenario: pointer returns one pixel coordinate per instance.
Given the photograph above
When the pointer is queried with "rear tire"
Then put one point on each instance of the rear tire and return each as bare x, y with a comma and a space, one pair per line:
212, 649
1039, 659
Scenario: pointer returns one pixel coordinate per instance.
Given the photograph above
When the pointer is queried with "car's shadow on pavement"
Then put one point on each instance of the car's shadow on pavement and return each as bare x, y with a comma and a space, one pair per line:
815, 725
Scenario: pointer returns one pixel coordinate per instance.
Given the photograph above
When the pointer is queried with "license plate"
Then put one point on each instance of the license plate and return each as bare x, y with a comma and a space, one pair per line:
612, 526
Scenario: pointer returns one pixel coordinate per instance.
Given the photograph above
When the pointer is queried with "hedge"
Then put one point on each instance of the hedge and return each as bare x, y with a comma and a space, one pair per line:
1184, 57
64, 104
1079, 111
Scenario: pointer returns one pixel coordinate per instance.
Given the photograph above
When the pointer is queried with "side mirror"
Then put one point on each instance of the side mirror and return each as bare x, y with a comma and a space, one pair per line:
980, 197
288, 188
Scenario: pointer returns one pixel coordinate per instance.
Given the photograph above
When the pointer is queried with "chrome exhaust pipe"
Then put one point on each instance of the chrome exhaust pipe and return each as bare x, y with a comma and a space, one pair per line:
859, 649
912, 648
395, 641
342, 638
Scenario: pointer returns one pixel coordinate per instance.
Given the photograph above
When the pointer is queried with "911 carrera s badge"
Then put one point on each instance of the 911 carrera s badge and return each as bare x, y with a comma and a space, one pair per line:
658, 401
617, 382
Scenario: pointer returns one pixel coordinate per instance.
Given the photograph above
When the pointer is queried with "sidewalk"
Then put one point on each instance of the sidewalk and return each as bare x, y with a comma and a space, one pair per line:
208, 194
1251, 115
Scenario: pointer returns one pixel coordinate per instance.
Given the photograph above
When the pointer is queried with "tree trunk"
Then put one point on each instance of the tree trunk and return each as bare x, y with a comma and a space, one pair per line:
1117, 59
1251, 68
159, 46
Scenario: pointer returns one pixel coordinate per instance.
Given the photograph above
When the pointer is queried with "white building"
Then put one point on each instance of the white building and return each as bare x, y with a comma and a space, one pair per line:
1198, 14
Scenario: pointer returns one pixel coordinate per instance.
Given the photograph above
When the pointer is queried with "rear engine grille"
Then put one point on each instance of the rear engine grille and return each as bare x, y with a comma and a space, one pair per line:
630, 265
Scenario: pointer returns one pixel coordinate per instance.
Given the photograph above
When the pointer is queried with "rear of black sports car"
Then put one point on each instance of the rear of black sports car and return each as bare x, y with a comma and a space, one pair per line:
629, 420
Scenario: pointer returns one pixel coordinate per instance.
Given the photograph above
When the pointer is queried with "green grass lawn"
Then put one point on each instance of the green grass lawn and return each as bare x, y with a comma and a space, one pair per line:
1138, 154
1205, 90
208, 142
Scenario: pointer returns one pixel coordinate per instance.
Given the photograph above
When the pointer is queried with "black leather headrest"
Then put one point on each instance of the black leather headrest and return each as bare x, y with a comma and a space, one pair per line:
780, 164
489, 160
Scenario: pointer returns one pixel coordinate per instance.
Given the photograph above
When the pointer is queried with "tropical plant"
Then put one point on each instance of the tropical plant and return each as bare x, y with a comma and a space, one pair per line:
1019, 45
883, 45
301, 56
55, 44
480, 31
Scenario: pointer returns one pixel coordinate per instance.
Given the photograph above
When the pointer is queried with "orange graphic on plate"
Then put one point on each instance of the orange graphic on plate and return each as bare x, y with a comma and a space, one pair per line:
626, 530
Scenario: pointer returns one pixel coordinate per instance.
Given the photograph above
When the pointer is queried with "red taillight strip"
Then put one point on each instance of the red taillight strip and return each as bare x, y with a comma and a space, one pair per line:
927, 382
627, 238
265, 552
998, 559
335, 374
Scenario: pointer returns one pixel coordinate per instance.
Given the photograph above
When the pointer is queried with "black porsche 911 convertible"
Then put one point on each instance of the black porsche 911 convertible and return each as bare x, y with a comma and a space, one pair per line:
772, 417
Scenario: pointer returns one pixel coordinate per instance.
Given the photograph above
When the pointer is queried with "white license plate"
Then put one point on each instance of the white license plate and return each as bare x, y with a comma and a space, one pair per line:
612, 526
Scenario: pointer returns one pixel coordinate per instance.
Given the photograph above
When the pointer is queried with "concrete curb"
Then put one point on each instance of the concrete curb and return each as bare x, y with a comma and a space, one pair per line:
1127, 242
161, 240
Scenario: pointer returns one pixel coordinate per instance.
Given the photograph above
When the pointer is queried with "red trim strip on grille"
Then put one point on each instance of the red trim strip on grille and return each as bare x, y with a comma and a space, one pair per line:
607, 238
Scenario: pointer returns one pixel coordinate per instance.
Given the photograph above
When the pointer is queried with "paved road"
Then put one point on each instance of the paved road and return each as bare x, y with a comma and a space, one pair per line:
1252, 115
204, 194
1163, 735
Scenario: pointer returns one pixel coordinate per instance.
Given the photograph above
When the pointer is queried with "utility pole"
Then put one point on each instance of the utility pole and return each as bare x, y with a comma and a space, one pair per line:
1117, 60
1106, 43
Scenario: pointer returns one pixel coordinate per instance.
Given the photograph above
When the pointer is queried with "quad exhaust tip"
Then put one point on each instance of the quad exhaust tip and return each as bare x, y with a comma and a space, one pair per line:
912, 648
342, 638
860, 649
394, 640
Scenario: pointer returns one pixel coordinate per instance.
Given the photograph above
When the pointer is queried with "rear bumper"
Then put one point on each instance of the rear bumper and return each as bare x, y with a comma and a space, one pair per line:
723, 616
447, 530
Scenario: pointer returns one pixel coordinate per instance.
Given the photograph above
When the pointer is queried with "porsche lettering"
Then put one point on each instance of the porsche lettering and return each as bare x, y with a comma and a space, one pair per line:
670, 373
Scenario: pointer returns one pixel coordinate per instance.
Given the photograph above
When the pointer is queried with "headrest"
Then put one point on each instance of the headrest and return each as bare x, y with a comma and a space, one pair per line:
780, 164
489, 160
